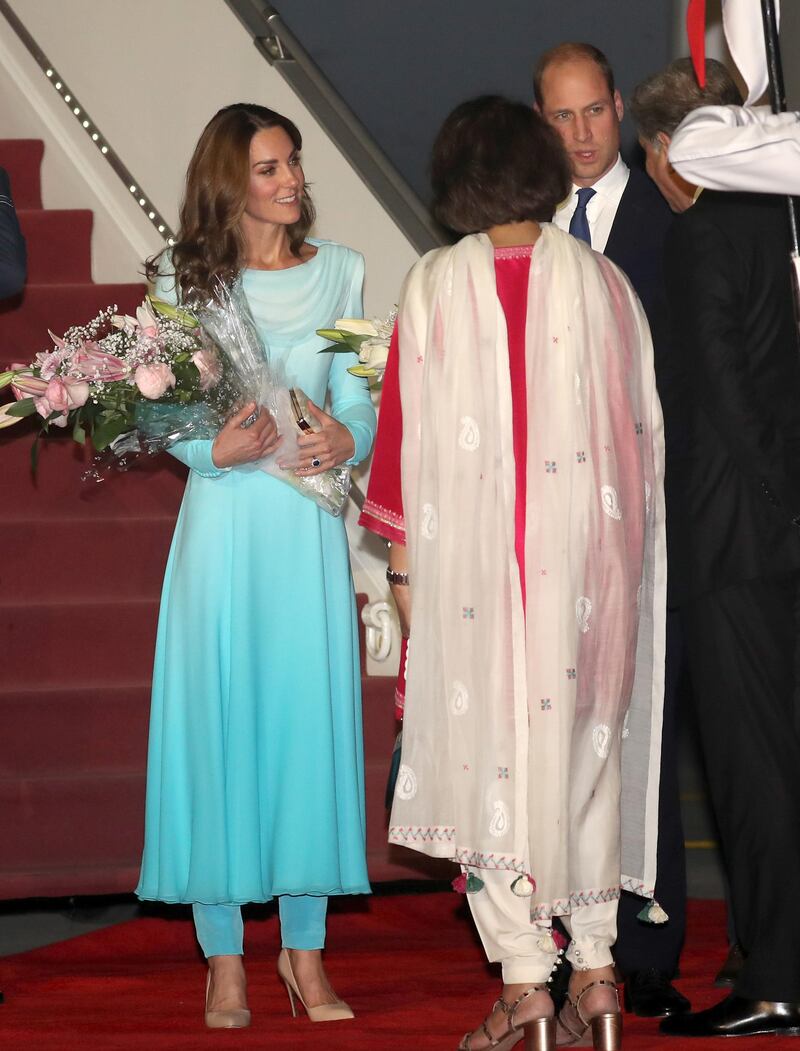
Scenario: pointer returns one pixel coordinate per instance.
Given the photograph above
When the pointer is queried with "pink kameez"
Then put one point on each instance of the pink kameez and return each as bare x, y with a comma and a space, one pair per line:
383, 508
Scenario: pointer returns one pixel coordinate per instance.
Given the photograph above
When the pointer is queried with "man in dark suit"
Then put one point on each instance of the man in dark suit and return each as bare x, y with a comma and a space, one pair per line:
619, 212
13, 258
729, 286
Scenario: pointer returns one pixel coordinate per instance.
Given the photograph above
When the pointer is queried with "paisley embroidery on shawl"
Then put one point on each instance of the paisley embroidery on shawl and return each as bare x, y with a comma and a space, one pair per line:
583, 610
459, 698
470, 436
500, 823
430, 521
601, 740
608, 495
406, 783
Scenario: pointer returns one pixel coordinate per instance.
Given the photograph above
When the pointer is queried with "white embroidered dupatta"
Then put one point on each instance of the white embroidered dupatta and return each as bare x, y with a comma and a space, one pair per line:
515, 732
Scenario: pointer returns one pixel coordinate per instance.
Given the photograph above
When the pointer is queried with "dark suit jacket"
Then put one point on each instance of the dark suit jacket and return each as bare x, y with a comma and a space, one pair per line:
636, 245
729, 288
13, 257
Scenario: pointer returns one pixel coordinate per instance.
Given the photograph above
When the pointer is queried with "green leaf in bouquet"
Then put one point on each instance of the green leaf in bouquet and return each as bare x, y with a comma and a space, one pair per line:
25, 407
78, 431
107, 428
363, 371
173, 313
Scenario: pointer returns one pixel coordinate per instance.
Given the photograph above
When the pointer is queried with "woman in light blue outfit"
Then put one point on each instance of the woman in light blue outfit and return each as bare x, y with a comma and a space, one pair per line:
255, 785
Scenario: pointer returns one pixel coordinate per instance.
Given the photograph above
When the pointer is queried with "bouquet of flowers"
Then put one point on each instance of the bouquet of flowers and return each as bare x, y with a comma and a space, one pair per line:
369, 339
136, 385
96, 374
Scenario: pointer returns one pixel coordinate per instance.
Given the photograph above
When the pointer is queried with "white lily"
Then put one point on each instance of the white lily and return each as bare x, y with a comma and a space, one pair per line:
357, 326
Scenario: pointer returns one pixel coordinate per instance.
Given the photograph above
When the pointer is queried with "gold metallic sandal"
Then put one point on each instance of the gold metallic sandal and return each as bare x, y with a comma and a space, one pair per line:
539, 1033
606, 1027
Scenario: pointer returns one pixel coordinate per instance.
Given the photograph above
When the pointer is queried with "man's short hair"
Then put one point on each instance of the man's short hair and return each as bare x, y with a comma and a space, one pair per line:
494, 162
570, 52
661, 101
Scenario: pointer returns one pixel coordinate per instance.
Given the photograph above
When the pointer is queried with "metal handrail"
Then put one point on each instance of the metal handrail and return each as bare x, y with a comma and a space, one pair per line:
281, 48
89, 126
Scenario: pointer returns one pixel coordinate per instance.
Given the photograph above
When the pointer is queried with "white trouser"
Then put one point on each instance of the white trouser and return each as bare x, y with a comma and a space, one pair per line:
526, 951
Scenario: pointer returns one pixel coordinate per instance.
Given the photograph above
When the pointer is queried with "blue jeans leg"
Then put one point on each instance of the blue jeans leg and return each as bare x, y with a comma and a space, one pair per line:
219, 929
302, 921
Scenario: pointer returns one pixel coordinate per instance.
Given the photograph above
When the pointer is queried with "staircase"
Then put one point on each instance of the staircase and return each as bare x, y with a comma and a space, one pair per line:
80, 575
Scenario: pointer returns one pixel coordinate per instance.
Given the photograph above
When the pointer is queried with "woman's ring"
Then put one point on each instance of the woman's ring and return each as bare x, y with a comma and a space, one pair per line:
316, 462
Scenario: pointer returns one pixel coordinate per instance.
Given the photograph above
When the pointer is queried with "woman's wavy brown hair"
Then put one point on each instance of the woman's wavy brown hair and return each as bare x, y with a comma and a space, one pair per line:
209, 244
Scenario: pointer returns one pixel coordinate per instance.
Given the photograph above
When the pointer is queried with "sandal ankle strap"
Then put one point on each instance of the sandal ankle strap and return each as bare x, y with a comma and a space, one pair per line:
576, 1004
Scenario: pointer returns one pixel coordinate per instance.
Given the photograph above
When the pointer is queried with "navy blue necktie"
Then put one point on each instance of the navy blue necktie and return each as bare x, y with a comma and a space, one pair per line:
579, 224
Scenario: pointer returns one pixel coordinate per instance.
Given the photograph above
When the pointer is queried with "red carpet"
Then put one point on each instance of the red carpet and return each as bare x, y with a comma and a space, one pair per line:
409, 965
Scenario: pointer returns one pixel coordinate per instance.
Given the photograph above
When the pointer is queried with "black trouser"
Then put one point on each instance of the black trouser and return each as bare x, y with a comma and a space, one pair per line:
640, 945
743, 658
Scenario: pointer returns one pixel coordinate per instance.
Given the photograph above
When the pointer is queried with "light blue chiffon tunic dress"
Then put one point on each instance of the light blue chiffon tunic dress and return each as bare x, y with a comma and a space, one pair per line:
255, 780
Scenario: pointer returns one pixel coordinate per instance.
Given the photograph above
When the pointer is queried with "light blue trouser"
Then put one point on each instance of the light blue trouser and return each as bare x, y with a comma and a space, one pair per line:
220, 930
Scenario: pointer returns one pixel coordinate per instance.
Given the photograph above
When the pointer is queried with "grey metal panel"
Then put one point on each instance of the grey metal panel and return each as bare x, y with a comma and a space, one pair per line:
284, 51
402, 65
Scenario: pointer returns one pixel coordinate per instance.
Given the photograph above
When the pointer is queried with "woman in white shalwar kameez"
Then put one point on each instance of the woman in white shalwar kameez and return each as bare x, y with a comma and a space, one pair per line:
535, 667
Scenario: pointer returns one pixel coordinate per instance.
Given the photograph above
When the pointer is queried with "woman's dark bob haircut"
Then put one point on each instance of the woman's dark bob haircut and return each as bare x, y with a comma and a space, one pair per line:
494, 162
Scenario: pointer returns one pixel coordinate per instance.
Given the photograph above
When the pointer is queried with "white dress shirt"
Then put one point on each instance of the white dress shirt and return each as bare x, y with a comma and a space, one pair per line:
739, 148
601, 209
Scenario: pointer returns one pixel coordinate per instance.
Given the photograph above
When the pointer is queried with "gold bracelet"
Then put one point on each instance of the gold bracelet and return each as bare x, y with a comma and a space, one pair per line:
396, 578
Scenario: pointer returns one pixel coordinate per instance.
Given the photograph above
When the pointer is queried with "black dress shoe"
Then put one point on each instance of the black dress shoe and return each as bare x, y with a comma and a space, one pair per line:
729, 971
737, 1016
650, 994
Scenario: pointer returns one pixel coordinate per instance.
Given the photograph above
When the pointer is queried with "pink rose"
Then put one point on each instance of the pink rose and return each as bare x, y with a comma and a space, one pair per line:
207, 364
66, 394
153, 380
92, 363
45, 409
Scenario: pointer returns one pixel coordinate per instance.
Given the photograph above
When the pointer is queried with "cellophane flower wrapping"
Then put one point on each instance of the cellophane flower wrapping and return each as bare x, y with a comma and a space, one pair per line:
228, 321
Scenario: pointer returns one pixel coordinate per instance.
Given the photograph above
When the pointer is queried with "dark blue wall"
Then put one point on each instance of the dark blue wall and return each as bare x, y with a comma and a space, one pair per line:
403, 65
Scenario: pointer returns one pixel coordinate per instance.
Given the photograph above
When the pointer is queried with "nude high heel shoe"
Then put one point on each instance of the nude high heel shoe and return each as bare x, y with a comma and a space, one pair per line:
239, 1018
322, 1012
606, 1026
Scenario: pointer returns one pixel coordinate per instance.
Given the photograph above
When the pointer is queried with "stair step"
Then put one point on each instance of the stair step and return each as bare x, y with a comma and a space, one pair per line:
24, 323
71, 558
79, 822
154, 487
22, 159
86, 732
70, 643
59, 245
